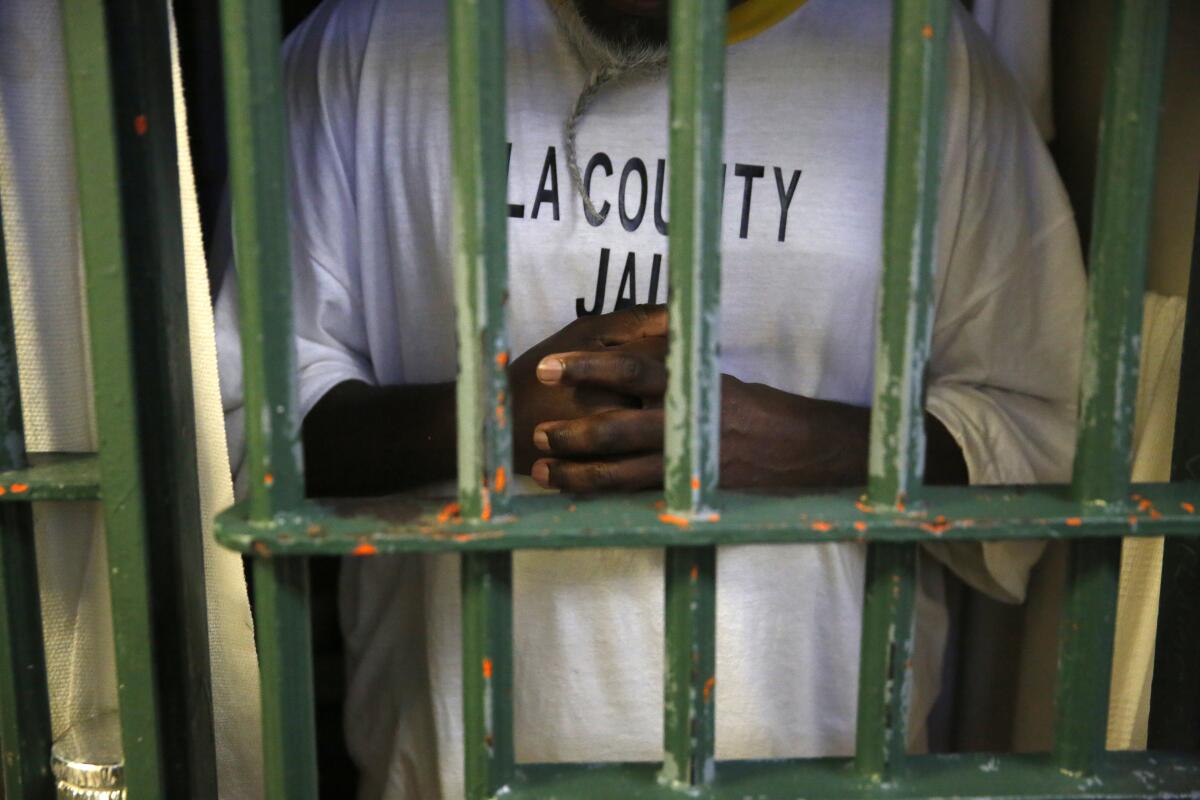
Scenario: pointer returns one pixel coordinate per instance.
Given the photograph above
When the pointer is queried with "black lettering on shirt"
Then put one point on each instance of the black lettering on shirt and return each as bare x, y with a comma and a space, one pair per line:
603, 161
655, 268
785, 198
749, 172
628, 279
660, 186
631, 222
515, 210
547, 194
581, 309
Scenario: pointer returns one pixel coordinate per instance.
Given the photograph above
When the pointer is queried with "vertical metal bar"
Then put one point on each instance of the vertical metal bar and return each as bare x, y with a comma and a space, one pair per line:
1119, 246
477, 71
487, 672
284, 635
1175, 694
693, 427
24, 703
250, 36
689, 714
480, 255
920, 33
1121, 225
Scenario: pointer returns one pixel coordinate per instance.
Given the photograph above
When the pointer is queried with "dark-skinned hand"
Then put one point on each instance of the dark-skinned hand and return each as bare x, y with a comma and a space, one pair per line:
769, 438
535, 401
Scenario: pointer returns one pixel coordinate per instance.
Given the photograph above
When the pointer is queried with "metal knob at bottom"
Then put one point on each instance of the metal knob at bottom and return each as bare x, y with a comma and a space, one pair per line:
88, 762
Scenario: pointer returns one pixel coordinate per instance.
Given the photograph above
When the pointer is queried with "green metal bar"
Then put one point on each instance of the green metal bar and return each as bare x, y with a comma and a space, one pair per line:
920, 33
693, 405
691, 666
487, 672
1119, 247
414, 523
480, 255
969, 776
884, 682
52, 476
693, 427
250, 35
1175, 694
24, 703
284, 636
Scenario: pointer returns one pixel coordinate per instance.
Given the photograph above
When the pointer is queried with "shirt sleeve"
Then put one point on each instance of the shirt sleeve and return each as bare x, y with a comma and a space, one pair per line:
1008, 331
321, 61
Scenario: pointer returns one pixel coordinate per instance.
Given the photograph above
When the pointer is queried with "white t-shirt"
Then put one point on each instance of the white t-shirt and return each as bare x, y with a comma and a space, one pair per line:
805, 134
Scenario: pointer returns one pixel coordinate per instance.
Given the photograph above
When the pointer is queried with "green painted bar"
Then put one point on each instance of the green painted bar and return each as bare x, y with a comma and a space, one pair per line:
693, 403
1120, 243
103, 234
971, 776
480, 255
487, 672
691, 666
884, 685
1119, 248
415, 522
250, 36
920, 33
284, 637
24, 703
52, 476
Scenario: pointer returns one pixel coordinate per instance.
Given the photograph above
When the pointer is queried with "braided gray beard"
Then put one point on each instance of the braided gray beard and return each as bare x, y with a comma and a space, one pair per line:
606, 61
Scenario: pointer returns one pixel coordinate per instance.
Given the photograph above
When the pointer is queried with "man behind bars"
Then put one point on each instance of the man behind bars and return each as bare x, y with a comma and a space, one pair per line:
805, 131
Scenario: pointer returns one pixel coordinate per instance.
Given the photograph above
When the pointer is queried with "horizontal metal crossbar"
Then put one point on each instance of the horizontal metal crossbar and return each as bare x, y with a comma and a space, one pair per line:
53, 476
413, 522
970, 775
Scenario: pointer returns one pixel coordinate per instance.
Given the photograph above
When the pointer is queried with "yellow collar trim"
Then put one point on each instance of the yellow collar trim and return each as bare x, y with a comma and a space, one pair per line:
751, 17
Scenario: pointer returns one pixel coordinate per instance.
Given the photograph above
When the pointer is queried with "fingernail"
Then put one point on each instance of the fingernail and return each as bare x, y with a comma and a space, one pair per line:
540, 440
541, 474
549, 370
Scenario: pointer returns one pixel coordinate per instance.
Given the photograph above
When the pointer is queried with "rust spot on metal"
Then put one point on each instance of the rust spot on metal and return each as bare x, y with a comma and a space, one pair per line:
927, 31
500, 414
695, 483
1155, 513
695, 573
1133, 521
488, 740
314, 530
860, 526
1188, 507
863, 507
486, 513
364, 549
821, 526
1145, 505
261, 549
901, 502
1074, 522
936, 528
674, 519
448, 511
659, 505
501, 479
708, 688
461, 537
487, 669
268, 479
141, 125
502, 359
571, 507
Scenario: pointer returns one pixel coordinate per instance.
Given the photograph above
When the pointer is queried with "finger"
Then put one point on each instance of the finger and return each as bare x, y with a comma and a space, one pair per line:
628, 324
583, 477
609, 433
620, 370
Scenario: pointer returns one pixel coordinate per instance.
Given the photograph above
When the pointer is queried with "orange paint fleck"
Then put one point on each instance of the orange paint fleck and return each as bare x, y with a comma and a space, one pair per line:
673, 519
3, 490
501, 479
708, 688
822, 526
1074, 522
462, 537
502, 358
487, 669
261, 549
500, 415
1136, 496
1188, 507
268, 479
364, 549
860, 526
449, 510
713, 517
486, 513
659, 505
1133, 521
927, 31
863, 507
1144, 505
695, 573
936, 528
19, 488
900, 504
1155, 513
140, 124
695, 483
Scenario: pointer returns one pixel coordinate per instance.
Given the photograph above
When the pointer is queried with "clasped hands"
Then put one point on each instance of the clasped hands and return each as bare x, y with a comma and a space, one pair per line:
588, 413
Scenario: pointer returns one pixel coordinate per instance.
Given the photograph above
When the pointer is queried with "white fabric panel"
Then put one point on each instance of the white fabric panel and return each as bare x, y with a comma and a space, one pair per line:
1020, 34
40, 202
